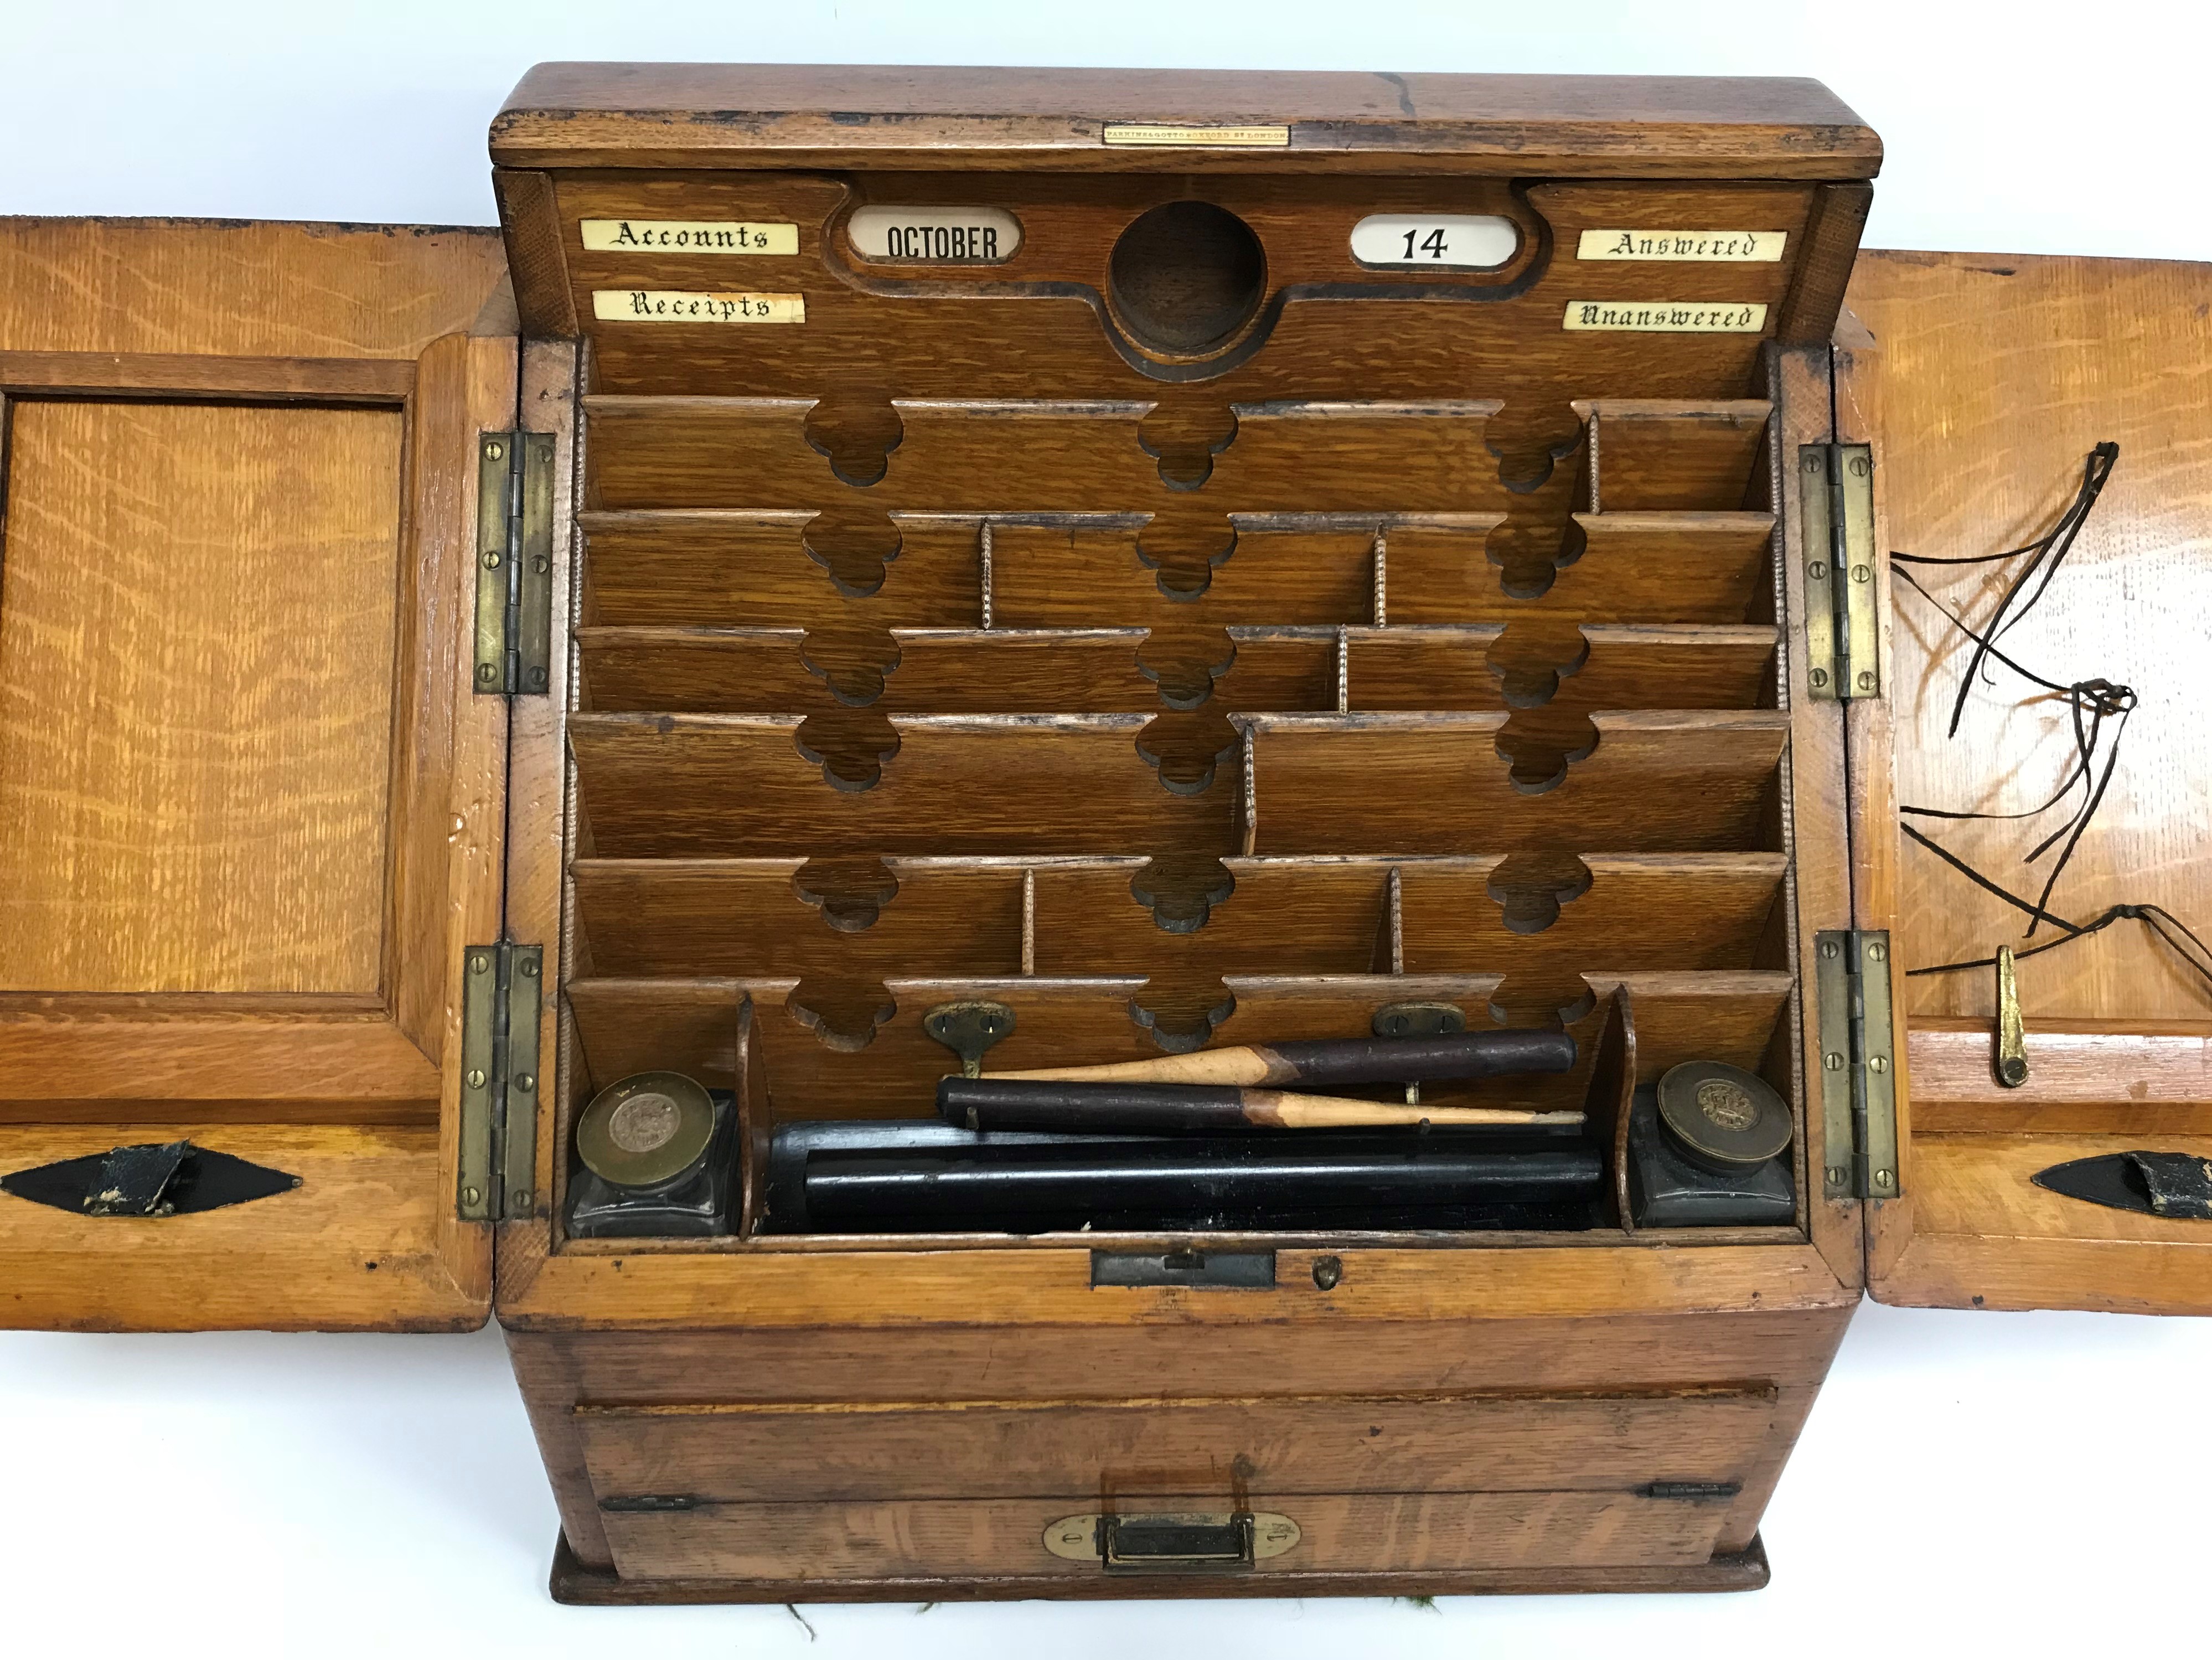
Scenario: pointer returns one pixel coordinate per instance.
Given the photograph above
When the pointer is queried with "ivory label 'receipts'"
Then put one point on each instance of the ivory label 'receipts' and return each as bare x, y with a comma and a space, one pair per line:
1146, 132
1739, 247
1665, 316
671, 306
688, 236
933, 236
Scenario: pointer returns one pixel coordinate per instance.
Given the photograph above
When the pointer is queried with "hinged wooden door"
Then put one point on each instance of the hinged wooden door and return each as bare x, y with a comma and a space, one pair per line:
251, 811
1985, 385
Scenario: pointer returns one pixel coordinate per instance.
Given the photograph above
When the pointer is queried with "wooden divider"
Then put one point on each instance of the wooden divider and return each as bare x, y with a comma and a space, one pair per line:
1655, 455
731, 568
711, 567
1422, 784
753, 453
669, 786
1656, 567
1084, 671
764, 919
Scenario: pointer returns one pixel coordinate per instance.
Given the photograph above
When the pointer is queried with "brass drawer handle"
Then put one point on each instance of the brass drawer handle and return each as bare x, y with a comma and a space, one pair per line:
1172, 1542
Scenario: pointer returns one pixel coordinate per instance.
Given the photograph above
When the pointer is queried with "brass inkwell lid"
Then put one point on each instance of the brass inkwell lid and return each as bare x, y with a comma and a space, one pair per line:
1722, 1116
646, 1130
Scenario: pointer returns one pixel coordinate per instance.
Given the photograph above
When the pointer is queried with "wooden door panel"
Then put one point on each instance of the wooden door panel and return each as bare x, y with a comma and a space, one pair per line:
251, 810
1985, 384
197, 622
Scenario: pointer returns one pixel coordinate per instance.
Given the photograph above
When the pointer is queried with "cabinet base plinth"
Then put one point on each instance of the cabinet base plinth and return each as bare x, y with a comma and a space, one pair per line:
575, 1582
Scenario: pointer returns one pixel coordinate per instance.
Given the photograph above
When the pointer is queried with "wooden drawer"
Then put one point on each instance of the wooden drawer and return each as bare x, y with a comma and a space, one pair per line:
1373, 1482
1337, 1533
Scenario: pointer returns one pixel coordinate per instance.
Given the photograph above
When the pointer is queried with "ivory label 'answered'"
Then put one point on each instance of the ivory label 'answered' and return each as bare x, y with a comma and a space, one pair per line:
1740, 247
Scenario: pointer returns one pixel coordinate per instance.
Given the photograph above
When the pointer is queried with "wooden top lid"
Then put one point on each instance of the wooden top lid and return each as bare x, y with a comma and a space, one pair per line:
709, 115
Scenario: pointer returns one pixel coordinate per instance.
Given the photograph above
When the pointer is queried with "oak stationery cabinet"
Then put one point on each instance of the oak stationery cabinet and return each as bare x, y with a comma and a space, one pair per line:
1185, 559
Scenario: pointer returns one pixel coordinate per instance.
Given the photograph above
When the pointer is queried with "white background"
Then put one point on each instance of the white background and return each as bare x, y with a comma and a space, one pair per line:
2025, 1484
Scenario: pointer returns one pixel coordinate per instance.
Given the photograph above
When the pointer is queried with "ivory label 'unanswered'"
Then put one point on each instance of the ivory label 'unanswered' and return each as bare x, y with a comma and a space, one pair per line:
1665, 316
688, 236
1741, 247
671, 306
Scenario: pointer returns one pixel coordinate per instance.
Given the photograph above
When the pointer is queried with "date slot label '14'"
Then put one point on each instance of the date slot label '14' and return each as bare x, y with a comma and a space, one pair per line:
688, 236
671, 306
1436, 241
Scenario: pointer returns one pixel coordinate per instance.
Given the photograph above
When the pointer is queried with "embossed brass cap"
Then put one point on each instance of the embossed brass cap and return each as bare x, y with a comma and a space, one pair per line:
1722, 1115
647, 1129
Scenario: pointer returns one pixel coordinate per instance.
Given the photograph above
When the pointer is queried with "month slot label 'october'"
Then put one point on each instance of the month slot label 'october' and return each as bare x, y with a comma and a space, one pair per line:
934, 236
1731, 247
672, 305
1665, 316
688, 236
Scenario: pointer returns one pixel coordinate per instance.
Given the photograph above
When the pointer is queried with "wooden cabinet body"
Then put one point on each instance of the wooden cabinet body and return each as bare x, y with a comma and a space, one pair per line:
1185, 619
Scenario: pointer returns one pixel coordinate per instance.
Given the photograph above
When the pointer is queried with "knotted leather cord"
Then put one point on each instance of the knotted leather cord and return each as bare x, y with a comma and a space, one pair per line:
2056, 543
2193, 951
2100, 700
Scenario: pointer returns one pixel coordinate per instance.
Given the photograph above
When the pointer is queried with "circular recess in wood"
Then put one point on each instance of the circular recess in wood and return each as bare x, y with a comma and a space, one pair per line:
1185, 278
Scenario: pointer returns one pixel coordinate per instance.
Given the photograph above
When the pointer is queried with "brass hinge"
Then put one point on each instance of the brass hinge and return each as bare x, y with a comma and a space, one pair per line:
1842, 636
501, 998
515, 563
1858, 1064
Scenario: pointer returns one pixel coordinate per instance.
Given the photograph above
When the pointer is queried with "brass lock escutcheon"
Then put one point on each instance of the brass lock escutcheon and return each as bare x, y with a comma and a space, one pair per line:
1173, 1541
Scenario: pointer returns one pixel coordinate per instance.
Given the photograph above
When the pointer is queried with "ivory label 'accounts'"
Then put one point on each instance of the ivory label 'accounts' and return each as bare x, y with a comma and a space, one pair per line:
1739, 247
670, 305
688, 236
1665, 316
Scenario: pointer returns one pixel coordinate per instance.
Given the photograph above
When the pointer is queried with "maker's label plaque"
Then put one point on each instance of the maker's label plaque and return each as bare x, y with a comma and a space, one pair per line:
1235, 137
1726, 247
1665, 316
933, 236
672, 306
688, 236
